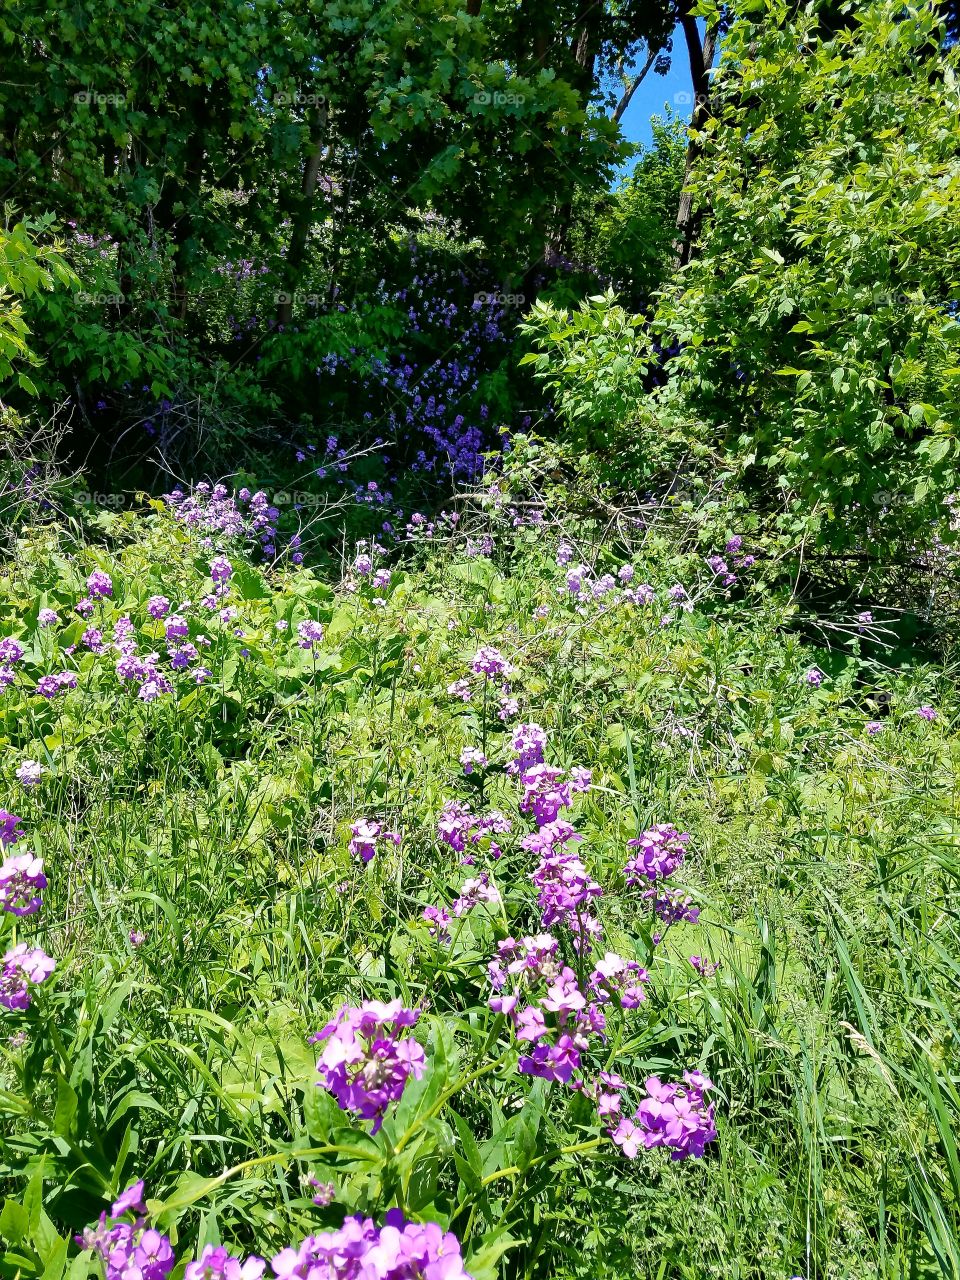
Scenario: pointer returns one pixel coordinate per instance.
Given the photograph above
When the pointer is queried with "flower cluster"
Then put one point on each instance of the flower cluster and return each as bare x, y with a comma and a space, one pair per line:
660, 852
673, 1116
359, 1250
365, 1063
672, 907
21, 968
585, 588
129, 1250
29, 772
99, 585
216, 1263
367, 833
310, 633
719, 567
10, 829
544, 794
472, 758
564, 888
490, 662
399, 1250
705, 968
11, 652
528, 743
21, 880
557, 1015
623, 979
214, 514
438, 922
548, 1008
49, 686
474, 891
458, 827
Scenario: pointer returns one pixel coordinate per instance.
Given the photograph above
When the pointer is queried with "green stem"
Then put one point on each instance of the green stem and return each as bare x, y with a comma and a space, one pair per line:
445, 1097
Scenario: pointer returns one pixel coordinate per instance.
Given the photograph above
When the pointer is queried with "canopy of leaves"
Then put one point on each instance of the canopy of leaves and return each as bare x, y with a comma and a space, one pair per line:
818, 329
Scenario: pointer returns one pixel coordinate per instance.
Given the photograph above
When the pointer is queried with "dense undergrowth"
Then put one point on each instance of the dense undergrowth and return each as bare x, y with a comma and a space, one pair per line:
210, 902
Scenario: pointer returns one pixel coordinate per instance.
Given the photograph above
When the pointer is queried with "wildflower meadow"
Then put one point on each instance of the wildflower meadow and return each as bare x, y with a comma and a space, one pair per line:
478, 652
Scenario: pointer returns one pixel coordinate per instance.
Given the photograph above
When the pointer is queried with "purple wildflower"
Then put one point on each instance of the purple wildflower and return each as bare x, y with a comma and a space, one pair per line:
10, 829
99, 584
365, 1064
399, 1250
21, 968
310, 633
217, 1263
220, 569
11, 651
490, 662
366, 833
460, 689
544, 793
475, 891
21, 881
529, 741
29, 772
177, 627
472, 758
673, 1116
660, 852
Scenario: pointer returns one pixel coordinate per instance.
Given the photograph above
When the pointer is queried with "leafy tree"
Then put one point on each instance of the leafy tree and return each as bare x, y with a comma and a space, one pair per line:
817, 325
627, 235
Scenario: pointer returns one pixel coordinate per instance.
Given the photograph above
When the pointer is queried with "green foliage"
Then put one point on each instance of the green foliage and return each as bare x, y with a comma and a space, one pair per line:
627, 235
596, 362
28, 269
246, 183
593, 359
817, 323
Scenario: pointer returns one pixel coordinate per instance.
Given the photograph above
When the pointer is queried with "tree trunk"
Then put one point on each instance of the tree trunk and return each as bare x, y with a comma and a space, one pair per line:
302, 220
585, 56
700, 54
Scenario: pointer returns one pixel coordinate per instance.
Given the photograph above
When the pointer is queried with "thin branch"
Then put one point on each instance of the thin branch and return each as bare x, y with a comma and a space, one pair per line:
632, 87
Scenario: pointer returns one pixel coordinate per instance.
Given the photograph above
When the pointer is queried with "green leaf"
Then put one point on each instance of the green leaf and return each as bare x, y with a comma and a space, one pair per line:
14, 1222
